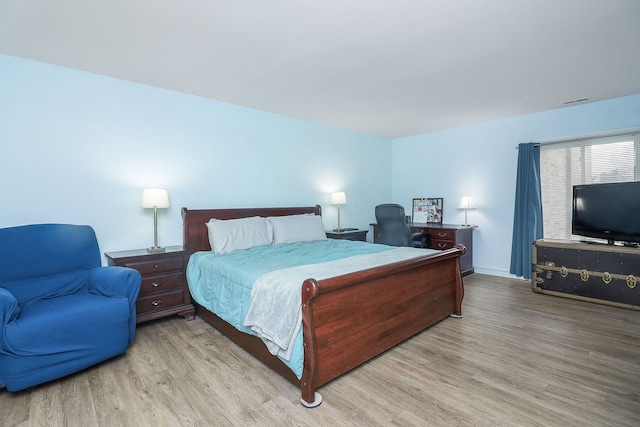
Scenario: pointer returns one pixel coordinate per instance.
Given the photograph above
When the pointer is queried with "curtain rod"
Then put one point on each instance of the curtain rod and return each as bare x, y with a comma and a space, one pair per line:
584, 137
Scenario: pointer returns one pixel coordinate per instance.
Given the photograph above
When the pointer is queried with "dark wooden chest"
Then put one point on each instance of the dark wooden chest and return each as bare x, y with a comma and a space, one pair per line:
604, 274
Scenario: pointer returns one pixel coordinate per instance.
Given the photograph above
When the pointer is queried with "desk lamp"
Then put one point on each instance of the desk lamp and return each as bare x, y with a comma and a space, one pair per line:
466, 203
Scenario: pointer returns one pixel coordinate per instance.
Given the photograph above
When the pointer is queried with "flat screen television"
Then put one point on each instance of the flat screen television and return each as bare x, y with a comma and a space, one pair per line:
607, 211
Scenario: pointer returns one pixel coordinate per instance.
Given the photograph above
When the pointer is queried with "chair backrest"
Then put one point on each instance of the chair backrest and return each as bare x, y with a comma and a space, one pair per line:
46, 259
392, 225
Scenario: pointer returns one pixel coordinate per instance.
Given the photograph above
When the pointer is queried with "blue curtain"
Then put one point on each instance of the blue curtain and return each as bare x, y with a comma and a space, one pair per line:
527, 217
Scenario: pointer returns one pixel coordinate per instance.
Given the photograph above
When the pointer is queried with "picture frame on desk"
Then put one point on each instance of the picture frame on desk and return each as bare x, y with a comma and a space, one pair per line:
427, 209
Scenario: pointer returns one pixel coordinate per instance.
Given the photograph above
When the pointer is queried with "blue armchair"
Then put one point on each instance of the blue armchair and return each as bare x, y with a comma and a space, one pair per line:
60, 310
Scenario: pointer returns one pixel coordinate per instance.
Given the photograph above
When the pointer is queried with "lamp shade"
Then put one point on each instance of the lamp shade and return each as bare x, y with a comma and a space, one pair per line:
466, 203
338, 198
155, 198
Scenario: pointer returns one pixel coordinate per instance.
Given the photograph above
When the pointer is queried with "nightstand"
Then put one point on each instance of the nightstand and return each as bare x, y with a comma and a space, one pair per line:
164, 290
358, 235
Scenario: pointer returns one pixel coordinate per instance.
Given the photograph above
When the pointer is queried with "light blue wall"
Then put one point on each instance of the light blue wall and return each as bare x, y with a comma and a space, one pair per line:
480, 160
79, 148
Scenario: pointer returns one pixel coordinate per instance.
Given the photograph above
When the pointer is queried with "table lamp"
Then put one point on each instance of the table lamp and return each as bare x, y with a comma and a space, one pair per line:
338, 198
155, 198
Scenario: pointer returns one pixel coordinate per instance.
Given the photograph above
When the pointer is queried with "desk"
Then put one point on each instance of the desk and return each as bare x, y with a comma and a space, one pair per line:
444, 236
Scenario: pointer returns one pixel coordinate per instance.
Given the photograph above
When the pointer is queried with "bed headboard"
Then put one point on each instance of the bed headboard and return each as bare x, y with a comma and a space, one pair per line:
195, 236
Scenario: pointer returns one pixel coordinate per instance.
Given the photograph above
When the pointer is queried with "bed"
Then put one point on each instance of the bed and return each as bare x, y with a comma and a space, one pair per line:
348, 319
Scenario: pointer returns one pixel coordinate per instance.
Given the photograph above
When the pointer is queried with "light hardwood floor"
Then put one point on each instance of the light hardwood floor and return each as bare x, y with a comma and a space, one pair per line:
515, 359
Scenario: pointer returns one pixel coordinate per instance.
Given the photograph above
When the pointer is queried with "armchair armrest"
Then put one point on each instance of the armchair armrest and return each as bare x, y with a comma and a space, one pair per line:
9, 308
115, 281
118, 281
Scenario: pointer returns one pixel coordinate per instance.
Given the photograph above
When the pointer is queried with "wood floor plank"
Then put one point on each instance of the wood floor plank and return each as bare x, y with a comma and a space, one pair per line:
515, 359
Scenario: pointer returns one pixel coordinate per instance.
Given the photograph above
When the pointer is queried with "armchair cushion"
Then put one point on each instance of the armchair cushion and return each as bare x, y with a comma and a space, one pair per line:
38, 348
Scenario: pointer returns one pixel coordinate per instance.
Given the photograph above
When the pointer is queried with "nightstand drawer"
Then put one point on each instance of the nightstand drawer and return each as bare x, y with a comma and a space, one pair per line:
161, 283
442, 244
157, 302
157, 266
443, 234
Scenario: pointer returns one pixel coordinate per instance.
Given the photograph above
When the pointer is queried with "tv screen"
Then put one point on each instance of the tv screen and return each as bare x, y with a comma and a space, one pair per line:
607, 211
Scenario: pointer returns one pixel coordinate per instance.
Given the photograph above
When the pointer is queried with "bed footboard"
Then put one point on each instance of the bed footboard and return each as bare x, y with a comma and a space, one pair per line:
350, 319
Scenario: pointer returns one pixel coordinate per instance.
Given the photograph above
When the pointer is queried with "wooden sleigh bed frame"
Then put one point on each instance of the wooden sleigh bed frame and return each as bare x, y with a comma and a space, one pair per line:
347, 319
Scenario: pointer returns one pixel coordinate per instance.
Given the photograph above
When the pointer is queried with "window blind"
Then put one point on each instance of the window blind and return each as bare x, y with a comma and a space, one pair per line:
584, 161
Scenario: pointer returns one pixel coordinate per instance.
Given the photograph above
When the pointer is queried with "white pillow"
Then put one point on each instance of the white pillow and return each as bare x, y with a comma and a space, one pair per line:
297, 228
243, 233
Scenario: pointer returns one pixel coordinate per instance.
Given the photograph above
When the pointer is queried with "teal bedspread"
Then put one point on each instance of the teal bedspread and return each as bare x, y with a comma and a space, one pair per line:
222, 282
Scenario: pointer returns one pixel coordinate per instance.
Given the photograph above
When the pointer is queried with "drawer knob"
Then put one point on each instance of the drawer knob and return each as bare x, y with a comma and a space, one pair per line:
156, 303
155, 266
155, 284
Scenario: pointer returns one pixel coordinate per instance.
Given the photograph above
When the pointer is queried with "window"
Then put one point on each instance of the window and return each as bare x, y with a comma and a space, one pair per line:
588, 161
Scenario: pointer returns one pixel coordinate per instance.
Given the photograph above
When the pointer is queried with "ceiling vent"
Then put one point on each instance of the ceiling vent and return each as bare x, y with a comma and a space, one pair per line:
575, 101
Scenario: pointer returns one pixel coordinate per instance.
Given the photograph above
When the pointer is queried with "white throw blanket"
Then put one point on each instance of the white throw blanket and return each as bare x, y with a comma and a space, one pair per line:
275, 313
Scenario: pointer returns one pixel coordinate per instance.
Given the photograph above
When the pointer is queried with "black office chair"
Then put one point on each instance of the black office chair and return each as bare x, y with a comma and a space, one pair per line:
394, 230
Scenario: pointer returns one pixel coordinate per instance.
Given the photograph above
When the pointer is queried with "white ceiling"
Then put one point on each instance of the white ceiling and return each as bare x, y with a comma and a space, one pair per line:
384, 67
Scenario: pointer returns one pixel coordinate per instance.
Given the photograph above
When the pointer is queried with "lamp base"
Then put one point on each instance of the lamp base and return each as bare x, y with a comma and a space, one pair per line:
339, 230
155, 249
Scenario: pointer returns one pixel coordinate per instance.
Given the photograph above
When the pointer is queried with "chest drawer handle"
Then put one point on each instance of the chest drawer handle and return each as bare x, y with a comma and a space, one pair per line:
442, 245
155, 284
156, 303
440, 234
